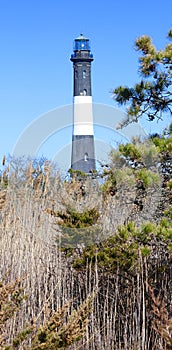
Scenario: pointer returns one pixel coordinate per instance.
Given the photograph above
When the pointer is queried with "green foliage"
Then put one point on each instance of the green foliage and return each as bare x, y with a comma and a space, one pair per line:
164, 233
163, 144
57, 333
109, 185
152, 95
168, 213
131, 163
122, 249
116, 177
117, 250
145, 251
142, 153
74, 219
130, 151
148, 177
77, 227
60, 334
77, 173
69, 238
22, 336
170, 247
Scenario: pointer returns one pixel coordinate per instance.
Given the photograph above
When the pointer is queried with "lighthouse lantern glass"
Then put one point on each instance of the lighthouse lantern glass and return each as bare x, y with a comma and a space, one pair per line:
82, 44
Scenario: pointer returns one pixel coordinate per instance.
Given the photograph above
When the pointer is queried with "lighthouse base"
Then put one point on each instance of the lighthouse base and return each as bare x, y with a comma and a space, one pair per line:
83, 154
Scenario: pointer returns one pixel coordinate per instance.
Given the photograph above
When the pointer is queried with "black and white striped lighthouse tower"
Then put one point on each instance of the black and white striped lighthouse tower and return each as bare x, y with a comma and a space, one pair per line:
83, 153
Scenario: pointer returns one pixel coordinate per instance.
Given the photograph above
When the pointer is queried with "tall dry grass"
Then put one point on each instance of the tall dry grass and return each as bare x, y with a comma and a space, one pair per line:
121, 317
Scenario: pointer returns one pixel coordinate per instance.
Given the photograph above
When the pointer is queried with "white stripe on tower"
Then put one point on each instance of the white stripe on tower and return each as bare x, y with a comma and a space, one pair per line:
83, 116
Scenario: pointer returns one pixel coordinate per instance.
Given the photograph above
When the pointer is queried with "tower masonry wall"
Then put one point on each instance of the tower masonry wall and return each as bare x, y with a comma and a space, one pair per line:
83, 157
82, 78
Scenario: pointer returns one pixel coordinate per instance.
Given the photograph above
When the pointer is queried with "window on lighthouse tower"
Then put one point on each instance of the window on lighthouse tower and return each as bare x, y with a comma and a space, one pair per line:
76, 74
86, 157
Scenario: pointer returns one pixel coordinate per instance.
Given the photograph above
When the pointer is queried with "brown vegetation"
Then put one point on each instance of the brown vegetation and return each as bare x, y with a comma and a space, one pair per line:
90, 296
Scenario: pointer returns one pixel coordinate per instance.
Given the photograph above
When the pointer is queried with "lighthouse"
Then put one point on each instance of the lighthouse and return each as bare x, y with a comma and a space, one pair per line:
83, 152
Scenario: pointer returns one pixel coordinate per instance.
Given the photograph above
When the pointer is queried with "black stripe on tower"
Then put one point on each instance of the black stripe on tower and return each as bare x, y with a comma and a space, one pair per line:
83, 157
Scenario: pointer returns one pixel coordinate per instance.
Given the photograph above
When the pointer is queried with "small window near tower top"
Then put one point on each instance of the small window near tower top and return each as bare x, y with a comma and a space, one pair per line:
86, 157
84, 92
84, 74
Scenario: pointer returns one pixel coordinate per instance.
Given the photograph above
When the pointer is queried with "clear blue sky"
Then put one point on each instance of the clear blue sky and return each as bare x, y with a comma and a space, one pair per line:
36, 40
